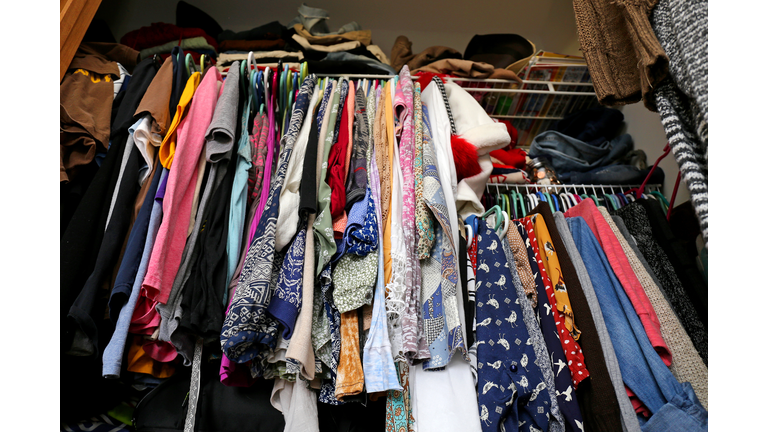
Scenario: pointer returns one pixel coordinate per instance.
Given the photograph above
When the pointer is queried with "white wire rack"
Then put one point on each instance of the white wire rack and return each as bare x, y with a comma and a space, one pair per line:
532, 108
569, 188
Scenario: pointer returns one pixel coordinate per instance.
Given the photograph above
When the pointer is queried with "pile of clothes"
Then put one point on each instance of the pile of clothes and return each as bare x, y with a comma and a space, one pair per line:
495, 56
194, 32
307, 39
586, 147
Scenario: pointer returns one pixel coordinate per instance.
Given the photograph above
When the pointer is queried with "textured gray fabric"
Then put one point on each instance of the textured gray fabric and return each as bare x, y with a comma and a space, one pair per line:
556, 423
628, 416
632, 242
682, 98
682, 29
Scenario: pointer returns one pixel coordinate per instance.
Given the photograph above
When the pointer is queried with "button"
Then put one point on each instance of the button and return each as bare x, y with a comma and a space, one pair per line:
513, 368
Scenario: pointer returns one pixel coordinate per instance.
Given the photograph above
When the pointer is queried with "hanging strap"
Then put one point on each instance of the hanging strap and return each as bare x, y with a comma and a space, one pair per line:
194, 387
439, 83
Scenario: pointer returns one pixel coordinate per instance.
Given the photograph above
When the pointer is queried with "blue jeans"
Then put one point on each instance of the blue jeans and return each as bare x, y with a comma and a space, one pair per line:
674, 406
569, 154
613, 174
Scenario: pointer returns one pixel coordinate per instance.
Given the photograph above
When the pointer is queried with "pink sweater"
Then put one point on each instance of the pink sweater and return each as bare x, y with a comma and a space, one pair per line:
623, 270
177, 204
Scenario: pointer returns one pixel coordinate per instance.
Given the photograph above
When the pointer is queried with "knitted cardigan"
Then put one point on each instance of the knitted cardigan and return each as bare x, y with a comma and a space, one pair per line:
624, 57
682, 99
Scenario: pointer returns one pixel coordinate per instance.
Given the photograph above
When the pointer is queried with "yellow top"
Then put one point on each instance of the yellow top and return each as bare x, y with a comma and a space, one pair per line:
168, 146
552, 265
385, 93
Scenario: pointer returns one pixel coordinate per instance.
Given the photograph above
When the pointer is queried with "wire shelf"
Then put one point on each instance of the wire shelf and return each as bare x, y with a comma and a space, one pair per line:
575, 188
532, 108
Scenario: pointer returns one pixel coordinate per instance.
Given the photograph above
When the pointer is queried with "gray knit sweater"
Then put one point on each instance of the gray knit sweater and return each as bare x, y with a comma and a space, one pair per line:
682, 98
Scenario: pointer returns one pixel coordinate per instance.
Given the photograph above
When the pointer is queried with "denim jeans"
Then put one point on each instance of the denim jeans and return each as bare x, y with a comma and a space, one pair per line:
569, 154
674, 406
613, 174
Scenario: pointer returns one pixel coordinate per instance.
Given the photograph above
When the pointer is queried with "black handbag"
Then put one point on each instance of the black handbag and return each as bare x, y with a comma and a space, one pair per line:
219, 408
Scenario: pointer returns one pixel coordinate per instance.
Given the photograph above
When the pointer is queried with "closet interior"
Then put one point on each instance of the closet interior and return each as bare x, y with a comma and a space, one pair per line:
341, 217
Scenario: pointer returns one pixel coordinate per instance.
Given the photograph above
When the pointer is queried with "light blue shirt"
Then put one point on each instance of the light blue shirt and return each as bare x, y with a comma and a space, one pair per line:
238, 202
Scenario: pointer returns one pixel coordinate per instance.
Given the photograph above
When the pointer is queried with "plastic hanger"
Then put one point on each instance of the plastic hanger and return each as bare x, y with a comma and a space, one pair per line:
549, 201
606, 201
544, 198
243, 78
304, 71
526, 203
472, 228
296, 85
260, 91
513, 204
619, 202
202, 62
496, 210
674, 195
505, 225
470, 235
614, 202
638, 191
290, 86
251, 65
187, 60
557, 204
662, 199
533, 200
566, 200
622, 198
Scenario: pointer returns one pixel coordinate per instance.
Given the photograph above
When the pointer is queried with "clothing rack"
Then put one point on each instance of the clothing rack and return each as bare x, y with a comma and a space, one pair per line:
603, 188
532, 108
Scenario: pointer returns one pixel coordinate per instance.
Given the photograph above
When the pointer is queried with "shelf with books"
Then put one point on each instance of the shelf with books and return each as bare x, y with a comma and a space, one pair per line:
554, 85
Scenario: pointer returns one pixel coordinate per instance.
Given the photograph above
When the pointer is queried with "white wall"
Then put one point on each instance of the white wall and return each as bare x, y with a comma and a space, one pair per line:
549, 24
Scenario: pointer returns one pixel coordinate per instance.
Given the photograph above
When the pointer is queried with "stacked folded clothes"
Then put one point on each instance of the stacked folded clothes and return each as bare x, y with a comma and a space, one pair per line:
161, 38
348, 50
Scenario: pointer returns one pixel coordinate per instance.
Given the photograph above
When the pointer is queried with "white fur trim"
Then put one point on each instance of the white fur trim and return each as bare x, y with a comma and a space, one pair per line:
487, 137
472, 122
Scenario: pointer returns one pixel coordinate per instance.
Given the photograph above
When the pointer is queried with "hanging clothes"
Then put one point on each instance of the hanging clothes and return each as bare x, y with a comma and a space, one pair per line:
330, 245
